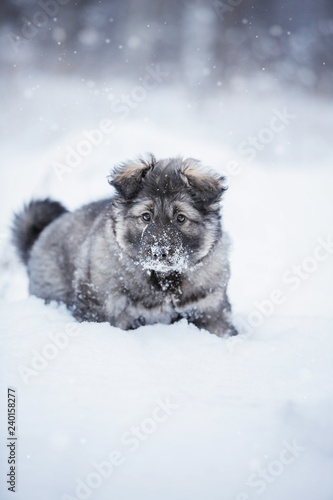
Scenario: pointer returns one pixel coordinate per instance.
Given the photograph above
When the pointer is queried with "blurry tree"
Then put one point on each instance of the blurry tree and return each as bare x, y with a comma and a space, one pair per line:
203, 43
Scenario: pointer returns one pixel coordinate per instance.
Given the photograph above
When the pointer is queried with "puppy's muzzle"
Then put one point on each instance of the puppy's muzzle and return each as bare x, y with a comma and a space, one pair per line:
162, 249
160, 253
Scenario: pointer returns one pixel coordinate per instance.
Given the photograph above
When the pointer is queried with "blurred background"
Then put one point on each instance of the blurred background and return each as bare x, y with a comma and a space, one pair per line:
201, 43
245, 86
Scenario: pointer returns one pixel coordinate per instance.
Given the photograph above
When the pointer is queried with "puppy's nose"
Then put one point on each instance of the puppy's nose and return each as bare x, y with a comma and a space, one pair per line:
160, 253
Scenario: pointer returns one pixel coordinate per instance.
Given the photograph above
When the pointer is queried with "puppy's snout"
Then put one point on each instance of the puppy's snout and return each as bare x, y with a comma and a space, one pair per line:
160, 253
162, 249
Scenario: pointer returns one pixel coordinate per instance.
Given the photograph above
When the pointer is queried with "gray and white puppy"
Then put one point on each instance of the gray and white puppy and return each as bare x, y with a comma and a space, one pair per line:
153, 253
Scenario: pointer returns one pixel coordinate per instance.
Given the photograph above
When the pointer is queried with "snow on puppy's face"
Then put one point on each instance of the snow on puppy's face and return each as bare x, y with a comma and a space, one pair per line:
168, 212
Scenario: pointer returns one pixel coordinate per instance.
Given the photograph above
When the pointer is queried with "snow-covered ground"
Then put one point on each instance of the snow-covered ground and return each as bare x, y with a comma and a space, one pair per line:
171, 412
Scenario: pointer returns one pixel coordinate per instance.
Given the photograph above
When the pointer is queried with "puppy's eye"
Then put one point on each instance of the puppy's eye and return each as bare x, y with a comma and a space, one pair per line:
181, 218
146, 217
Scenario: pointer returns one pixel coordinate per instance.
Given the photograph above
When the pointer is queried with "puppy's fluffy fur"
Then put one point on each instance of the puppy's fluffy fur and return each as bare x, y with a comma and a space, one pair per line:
154, 252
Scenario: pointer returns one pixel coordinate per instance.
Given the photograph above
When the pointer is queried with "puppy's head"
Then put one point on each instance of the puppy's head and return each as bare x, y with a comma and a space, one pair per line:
168, 211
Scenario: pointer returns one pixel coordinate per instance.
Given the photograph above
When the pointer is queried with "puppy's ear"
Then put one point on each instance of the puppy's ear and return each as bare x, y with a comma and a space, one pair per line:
127, 178
205, 185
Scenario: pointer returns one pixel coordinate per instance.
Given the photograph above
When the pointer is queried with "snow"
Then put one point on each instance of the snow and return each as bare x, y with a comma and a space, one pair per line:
176, 257
171, 412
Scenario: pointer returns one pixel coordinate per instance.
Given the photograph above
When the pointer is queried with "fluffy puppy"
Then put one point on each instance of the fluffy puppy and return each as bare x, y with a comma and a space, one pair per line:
154, 252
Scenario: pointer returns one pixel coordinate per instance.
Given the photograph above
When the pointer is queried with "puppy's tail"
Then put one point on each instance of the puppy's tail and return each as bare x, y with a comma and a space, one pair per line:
29, 223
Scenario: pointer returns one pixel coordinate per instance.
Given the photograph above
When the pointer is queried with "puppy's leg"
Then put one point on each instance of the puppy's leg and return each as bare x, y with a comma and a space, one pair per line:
119, 311
216, 319
86, 306
211, 312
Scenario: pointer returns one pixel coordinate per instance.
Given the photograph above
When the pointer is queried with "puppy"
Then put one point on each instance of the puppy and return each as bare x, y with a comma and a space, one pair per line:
155, 252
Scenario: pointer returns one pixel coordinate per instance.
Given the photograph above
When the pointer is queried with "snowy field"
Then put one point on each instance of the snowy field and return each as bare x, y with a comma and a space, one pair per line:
171, 412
